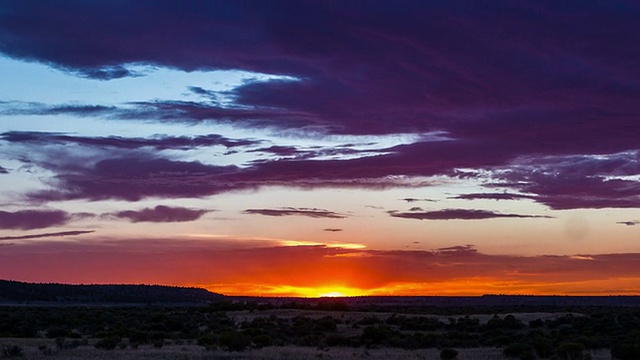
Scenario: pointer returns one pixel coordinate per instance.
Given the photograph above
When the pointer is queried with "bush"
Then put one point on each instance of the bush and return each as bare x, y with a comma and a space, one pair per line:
234, 340
108, 343
571, 351
139, 337
11, 351
262, 340
338, 340
45, 350
519, 351
543, 347
158, 343
208, 340
626, 351
448, 354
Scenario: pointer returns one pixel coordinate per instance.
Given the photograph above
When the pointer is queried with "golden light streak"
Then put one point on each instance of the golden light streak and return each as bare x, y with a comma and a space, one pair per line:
329, 245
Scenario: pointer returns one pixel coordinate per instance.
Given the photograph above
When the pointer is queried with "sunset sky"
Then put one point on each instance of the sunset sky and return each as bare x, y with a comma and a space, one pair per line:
314, 148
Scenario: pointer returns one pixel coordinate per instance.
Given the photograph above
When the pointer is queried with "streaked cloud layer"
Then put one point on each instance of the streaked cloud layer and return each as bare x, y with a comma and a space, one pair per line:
329, 120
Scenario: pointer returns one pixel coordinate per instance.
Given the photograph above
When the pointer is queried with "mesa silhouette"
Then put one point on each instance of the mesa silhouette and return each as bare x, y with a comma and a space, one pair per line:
21, 292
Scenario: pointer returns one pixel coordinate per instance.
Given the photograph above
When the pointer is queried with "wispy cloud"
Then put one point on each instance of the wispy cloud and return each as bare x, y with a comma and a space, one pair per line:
412, 200
629, 223
46, 235
158, 142
493, 196
459, 214
290, 211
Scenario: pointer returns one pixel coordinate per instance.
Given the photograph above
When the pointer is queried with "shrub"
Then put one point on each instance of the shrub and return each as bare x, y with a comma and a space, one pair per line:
108, 343
626, 351
571, 351
139, 337
208, 340
11, 351
543, 347
448, 354
45, 350
338, 340
262, 340
234, 340
518, 351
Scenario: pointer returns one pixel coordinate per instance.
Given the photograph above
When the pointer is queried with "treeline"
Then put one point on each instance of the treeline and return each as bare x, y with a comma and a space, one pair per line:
222, 326
14, 291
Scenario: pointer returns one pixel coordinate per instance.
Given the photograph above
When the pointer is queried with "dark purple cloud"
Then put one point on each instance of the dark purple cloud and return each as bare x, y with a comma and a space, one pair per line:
160, 143
629, 223
290, 211
33, 219
511, 85
332, 229
493, 196
411, 200
584, 181
45, 235
3, 170
134, 178
161, 213
426, 64
458, 214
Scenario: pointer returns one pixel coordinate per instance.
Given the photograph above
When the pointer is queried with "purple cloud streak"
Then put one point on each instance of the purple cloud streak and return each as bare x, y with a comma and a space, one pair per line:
629, 223
33, 219
46, 235
161, 213
459, 214
160, 143
290, 211
493, 196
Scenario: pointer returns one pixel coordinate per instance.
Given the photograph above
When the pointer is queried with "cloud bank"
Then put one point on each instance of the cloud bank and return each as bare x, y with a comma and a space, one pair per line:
541, 102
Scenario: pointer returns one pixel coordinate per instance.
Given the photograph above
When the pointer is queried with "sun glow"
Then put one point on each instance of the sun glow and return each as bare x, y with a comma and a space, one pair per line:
322, 291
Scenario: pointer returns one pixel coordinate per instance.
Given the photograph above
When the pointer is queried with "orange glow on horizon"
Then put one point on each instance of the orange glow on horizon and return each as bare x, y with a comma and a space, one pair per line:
320, 270
463, 287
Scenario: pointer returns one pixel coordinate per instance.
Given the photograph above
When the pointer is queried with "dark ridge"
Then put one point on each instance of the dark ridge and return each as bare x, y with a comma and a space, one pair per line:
15, 291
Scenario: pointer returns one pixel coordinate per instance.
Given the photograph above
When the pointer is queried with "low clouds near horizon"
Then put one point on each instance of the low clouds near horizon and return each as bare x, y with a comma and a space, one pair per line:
458, 269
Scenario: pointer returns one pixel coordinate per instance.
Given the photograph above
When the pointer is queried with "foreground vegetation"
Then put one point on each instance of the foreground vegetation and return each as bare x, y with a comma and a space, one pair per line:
329, 329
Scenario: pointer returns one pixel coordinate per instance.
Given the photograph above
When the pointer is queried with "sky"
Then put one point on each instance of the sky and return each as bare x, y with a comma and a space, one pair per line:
317, 148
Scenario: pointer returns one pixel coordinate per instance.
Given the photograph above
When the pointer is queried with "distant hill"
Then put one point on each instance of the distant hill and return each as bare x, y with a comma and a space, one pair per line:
15, 291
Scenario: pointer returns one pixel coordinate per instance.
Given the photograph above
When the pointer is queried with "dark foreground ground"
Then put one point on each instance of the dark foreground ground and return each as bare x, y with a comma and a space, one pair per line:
389, 328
